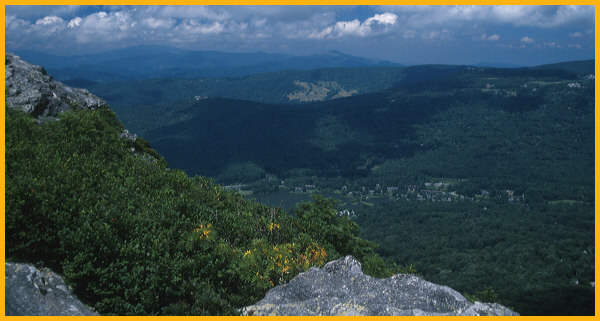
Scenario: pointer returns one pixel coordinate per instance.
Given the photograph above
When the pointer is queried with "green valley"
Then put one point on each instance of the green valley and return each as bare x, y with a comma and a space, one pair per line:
443, 170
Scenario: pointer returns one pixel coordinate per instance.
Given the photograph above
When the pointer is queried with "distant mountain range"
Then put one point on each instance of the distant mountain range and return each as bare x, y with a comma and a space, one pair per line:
582, 67
152, 62
497, 65
143, 62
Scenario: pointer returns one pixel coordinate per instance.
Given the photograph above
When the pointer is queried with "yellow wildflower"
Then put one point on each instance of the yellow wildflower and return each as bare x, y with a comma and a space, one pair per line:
203, 230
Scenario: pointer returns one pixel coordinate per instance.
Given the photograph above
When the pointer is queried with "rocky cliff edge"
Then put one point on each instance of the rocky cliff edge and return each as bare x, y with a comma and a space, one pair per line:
30, 89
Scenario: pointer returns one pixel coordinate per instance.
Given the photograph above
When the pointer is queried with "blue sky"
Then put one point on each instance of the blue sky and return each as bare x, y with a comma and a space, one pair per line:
521, 35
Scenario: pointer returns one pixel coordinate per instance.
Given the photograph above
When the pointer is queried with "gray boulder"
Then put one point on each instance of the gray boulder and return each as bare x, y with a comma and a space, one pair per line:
30, 89
30, 291
340, 288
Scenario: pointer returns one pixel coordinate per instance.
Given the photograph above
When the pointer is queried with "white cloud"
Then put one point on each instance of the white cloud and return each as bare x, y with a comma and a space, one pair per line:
409, 34
195, 27
50, 20
385, 19
527, 40
355, 27
271, 27
493, 37
552, 44
442, 34
75, 22
48, 26
37, 12
154, 23
534, 16
12, 23
286, 14
105, 27
259, 23
322, 34
576, 35
187, 12
430, 35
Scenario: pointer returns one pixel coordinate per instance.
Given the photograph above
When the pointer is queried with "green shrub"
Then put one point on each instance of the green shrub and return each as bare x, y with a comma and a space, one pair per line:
338, 234
133, 237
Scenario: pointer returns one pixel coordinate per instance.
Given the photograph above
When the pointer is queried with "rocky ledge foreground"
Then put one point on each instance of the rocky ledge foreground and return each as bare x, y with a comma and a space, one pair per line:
30, 89
340, 288
30, 291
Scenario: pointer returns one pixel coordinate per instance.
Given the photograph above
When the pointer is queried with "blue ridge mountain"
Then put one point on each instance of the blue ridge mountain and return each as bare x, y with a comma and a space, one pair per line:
144, 62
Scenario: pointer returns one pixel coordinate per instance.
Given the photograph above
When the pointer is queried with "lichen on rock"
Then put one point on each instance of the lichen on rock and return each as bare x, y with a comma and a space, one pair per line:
34, 292
31, 89
340, 288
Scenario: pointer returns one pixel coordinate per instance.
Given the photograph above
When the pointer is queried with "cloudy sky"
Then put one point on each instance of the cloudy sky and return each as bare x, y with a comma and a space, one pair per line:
522, 35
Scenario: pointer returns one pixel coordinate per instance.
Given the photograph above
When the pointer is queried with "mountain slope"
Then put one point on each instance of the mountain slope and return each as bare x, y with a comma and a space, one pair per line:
134, 237
414, 121
147, 104
582, 67
276, 87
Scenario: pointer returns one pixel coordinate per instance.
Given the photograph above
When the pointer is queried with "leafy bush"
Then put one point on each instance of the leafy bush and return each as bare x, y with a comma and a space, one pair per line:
338, 234
133, 237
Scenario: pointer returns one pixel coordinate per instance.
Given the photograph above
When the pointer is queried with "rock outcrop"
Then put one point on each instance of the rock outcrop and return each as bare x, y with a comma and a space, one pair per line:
30, 291
340, 288
29, 88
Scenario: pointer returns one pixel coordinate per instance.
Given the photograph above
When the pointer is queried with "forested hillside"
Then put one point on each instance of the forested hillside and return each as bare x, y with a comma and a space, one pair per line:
501, 129
134, 237
482, 178
293, 86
